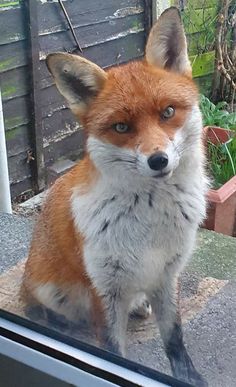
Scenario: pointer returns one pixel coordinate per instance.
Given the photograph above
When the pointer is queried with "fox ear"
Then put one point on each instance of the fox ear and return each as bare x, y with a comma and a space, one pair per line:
166, 46
77, 79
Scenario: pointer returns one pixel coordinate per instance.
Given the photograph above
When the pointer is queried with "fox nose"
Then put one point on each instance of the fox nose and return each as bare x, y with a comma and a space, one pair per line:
158, 161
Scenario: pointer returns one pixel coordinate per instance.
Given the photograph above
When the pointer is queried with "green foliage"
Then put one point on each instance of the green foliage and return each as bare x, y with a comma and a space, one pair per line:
222, 161
216, 115
222, 156
200, 27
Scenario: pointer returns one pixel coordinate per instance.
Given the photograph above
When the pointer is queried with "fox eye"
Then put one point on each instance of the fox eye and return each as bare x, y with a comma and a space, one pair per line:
168, 113
120, 127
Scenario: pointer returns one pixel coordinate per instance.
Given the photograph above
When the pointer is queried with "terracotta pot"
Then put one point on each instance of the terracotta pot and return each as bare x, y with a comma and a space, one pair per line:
217, 135
221, 214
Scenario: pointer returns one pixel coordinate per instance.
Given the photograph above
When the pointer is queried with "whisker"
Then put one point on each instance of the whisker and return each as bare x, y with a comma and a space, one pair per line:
121, 160
181, 148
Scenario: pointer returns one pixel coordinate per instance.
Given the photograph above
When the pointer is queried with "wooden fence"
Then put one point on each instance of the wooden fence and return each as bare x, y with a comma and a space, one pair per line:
39, 127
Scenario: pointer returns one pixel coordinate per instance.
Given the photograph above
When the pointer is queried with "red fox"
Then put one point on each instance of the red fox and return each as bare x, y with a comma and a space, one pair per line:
122, 223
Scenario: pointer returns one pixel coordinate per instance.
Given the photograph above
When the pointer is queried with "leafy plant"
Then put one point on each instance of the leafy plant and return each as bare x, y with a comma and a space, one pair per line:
222, 156
222, 161
216, 115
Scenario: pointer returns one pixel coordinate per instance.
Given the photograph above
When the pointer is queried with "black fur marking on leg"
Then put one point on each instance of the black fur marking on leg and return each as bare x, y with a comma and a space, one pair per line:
175, 342
181, 363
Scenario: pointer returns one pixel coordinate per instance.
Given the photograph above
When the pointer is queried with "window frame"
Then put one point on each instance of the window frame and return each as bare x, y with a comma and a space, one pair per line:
71, 360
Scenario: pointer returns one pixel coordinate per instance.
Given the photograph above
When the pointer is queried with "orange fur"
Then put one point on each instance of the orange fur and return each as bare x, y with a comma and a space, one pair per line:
136, 94
55, 243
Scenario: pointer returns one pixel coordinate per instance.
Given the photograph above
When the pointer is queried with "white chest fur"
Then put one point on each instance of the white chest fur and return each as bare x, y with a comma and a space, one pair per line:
131, 234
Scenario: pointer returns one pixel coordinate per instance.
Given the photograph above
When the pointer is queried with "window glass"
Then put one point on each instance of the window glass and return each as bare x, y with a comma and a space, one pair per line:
117, 200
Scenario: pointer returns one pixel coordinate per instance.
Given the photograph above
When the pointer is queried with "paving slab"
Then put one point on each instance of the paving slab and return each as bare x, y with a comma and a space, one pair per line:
215, 256
210, 338
15, 234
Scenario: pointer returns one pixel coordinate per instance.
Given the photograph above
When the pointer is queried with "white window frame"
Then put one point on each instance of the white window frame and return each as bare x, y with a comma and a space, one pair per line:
72, 361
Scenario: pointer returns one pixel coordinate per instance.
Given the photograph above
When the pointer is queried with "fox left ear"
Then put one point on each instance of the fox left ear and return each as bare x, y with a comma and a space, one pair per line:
77, 79
167, 46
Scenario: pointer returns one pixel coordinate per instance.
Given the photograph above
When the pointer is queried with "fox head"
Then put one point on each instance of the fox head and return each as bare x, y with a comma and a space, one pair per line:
141, 117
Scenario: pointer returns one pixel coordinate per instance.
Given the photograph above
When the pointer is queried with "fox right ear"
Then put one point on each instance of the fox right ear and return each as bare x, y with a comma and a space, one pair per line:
167, 46
77, 79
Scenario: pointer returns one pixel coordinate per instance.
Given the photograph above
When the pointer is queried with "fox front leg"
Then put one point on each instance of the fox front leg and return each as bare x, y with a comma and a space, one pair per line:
113, 332
165, 303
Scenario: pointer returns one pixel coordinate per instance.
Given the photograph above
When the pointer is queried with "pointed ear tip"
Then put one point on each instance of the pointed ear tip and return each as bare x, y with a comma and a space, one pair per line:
171, 12
50, 57
57, 57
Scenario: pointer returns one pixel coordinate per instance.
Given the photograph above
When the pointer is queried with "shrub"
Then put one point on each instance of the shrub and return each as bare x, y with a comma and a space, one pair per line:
222, 157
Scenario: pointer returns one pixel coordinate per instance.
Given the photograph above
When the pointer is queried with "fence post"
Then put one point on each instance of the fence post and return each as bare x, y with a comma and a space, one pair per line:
37, 163
159, 6
5, 195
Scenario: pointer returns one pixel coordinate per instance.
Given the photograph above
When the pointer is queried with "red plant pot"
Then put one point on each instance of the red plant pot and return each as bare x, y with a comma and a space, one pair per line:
221, 214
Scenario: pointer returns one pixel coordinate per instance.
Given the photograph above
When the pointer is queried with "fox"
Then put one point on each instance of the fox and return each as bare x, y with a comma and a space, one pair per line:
116, 231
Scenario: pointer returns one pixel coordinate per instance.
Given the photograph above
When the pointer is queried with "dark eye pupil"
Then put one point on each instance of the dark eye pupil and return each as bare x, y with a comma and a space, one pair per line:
169, 112
121, 127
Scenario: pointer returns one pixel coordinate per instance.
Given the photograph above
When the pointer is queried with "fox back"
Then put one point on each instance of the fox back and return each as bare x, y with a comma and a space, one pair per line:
123, 221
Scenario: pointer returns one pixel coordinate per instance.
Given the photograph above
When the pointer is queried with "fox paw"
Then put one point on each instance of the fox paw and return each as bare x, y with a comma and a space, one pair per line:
141, 308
